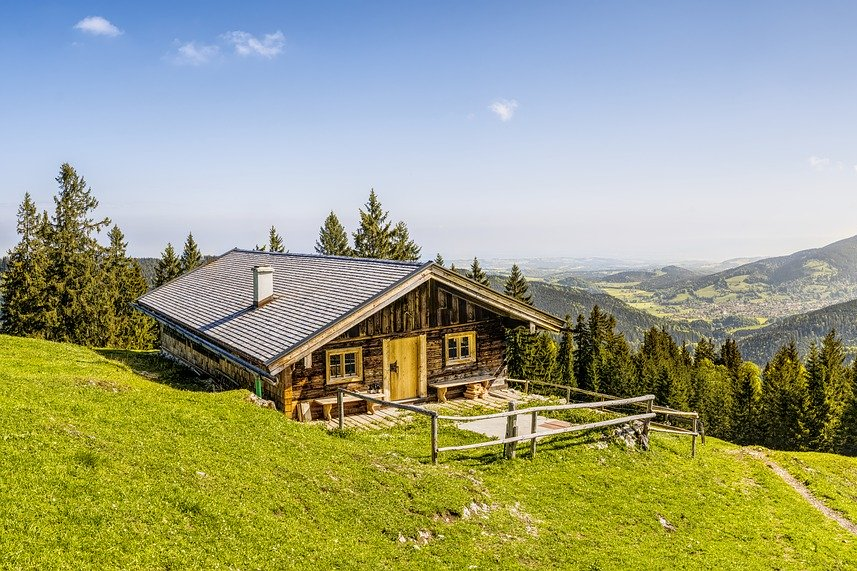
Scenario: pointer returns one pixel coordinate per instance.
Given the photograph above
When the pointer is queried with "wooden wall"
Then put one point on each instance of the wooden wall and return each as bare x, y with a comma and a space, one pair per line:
431, 309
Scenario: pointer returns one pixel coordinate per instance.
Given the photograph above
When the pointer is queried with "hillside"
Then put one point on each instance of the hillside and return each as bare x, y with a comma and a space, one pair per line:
804, 328
561, 300
106, 469
771, 287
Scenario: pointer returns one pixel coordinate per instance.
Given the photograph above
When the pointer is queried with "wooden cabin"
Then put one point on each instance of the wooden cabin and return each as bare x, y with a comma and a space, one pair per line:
302, 326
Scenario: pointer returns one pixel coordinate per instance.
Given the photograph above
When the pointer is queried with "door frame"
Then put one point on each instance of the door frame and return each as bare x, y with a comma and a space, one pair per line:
422, 373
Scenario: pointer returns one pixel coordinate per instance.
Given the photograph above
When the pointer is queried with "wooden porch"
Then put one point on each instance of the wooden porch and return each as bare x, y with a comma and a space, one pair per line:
494, 400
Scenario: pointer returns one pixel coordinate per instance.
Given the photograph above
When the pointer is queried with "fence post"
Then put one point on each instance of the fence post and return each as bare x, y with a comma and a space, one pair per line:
434, 439
533, 429
568, 395
527, 387
511, 431
341, 406
646, 422
693, 443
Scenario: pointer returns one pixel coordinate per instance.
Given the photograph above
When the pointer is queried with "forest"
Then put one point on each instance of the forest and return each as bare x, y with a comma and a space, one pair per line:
60, 283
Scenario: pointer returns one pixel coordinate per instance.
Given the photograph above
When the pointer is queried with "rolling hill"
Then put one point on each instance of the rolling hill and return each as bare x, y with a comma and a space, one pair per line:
107, 465
561, 300
769, 288
760, 346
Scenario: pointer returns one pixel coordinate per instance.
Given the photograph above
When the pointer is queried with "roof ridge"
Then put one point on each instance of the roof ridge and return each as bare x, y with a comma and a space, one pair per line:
416, 264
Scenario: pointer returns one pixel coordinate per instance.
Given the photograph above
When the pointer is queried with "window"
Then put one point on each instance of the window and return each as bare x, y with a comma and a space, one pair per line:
344, 365
460, 348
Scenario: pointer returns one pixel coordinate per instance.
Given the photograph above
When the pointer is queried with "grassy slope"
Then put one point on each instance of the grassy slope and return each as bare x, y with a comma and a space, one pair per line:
102, 468
832, 478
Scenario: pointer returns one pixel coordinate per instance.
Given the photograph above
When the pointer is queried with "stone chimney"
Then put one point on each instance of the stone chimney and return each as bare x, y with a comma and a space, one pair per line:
263, 285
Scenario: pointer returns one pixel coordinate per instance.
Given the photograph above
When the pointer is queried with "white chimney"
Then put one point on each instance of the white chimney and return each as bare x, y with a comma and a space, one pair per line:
263, 285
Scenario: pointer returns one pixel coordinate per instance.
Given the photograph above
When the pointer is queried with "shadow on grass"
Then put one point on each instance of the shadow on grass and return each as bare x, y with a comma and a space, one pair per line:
152, 366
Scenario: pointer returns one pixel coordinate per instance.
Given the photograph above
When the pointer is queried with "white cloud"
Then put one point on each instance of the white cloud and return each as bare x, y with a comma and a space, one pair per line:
98, 26
247, 44
504, 109
819, 163
193, 54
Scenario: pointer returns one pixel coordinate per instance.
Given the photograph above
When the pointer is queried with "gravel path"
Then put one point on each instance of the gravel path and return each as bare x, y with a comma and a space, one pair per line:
844, 522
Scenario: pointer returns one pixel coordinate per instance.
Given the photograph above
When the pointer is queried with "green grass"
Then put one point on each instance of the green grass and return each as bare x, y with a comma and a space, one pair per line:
832, 478
103, 468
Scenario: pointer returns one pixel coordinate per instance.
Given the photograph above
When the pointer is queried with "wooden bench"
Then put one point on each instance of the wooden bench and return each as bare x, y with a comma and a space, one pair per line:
327, 404
476, 386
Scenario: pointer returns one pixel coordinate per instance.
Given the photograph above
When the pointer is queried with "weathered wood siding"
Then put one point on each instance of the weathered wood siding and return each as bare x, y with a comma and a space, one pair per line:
431, 310
195, 355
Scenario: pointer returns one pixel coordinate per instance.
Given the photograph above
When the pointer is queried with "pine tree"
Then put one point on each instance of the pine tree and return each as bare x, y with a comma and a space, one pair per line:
439, 260
403, 248
73, 253
516, 286
704, 350
123, 283
373, 239
191, 256
565, 354
519, 352
476, 274
332, 238
747, 404
846, 439
730, 357
713, 398
168, 266
785, 401
542, 359
829, 389
275, 241
24, 308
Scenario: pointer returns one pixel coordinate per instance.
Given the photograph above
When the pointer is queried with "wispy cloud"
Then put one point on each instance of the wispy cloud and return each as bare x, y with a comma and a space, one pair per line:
247, 44
98, 26
504, 108
819, 163
191, 53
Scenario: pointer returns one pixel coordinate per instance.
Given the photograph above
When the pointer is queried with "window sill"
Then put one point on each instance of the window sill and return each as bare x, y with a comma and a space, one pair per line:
344, 380
457, 362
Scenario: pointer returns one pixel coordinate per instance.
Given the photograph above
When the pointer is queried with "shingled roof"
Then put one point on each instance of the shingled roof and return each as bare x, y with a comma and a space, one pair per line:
315, 298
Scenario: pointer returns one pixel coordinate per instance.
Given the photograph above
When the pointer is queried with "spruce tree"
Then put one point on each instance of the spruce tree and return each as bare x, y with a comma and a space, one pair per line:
785, 401
704, 350
403, 248
373, 239
191, 256
565, 354
332, 238
747, 405
846, 439
730, 357
476, 274
516, 286
73, 252
168, 266
123, 283
24, 307
439, 260
829, 389
275, 241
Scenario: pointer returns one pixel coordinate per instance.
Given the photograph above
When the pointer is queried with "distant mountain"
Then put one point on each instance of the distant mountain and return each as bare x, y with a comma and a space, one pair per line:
653, 279
561, 300
771, 287
759, 346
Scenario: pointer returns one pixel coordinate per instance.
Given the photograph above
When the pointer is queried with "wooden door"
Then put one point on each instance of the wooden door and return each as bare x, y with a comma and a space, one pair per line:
403, 362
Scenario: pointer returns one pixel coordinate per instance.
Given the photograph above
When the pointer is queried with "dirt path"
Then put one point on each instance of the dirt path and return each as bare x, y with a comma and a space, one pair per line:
844, 522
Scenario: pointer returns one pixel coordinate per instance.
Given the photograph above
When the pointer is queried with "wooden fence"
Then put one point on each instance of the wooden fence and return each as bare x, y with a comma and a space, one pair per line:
696, 428
511, 438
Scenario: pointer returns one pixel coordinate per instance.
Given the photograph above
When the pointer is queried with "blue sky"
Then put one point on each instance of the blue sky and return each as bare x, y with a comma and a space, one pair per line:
656, 130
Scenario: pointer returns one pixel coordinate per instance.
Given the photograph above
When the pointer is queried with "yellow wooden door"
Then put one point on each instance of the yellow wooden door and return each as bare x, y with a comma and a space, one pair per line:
404, 364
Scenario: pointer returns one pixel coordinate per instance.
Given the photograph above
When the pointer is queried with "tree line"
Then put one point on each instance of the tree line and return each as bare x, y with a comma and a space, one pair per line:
793, 403
60, 284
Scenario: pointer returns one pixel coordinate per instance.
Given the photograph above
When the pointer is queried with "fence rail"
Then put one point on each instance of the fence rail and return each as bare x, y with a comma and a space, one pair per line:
697, 429
511, 438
